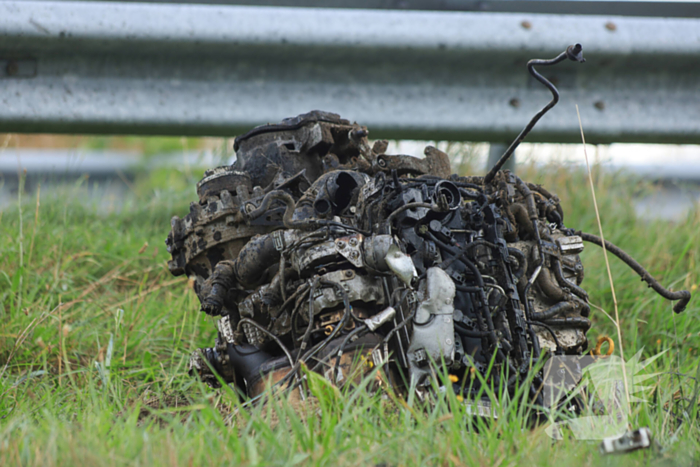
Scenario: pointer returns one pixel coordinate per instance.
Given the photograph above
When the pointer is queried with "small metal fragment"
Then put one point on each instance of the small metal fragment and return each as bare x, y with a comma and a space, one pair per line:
401, 265
628, 442
380, 318
570, 245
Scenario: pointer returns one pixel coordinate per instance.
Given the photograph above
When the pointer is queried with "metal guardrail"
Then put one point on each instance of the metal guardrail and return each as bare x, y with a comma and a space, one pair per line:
654, 8
181, 69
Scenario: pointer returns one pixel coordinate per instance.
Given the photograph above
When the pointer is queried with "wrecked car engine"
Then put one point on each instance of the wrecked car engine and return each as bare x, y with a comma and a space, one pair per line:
316, 249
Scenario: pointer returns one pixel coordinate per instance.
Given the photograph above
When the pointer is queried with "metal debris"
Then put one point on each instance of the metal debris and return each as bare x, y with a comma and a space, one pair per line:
630, 441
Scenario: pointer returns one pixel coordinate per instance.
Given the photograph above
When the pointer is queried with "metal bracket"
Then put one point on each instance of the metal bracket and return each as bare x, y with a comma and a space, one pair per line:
349, 247
225, 329
380, 356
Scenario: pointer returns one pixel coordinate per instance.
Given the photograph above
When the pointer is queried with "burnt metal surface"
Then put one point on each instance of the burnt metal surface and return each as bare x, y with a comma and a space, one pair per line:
318, 249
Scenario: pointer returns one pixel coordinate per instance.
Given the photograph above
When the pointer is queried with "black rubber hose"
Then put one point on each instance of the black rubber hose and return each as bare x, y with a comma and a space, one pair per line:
408, 206
309, 327
254, 258
574, 322
585, 309
557, 309
247, 360
549, 286
573, 52
544, 192
529, 199
221, 281
550, 330
469, 332
288, 217
522, 262
522, 219
361, 329
683, 296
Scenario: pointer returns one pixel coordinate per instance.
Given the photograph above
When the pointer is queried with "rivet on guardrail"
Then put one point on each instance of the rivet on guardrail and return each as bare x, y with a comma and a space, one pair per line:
526, 25
610, 26
12, 68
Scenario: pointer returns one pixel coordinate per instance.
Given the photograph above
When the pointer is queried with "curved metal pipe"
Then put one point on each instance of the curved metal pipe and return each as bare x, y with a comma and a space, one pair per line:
523, 221
574, 53
549, 287
564, 282
254, 259
288, 218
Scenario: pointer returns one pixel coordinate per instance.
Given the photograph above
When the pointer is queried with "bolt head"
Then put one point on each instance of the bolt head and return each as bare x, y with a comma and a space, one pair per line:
12, 68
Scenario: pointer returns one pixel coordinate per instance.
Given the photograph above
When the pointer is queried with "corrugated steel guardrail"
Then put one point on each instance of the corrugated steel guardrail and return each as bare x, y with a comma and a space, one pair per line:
100, 67
655, 8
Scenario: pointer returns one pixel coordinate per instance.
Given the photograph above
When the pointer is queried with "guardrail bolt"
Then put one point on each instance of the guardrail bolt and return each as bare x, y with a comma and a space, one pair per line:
12, 68
526, 25
610, 26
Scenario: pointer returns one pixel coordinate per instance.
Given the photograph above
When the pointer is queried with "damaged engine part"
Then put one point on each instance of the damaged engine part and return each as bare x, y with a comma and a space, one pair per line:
315, 248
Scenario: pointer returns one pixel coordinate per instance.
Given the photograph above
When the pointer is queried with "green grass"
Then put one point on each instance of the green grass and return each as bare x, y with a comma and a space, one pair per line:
78, 287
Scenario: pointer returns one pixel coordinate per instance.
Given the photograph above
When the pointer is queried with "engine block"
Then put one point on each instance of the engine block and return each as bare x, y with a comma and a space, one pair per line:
316, 249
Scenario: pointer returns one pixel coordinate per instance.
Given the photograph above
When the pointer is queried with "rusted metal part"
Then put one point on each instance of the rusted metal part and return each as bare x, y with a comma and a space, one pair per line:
435, 163
288, 156
294, 145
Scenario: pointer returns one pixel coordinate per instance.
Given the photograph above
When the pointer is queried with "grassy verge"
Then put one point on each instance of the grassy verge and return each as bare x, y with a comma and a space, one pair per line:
95, 335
